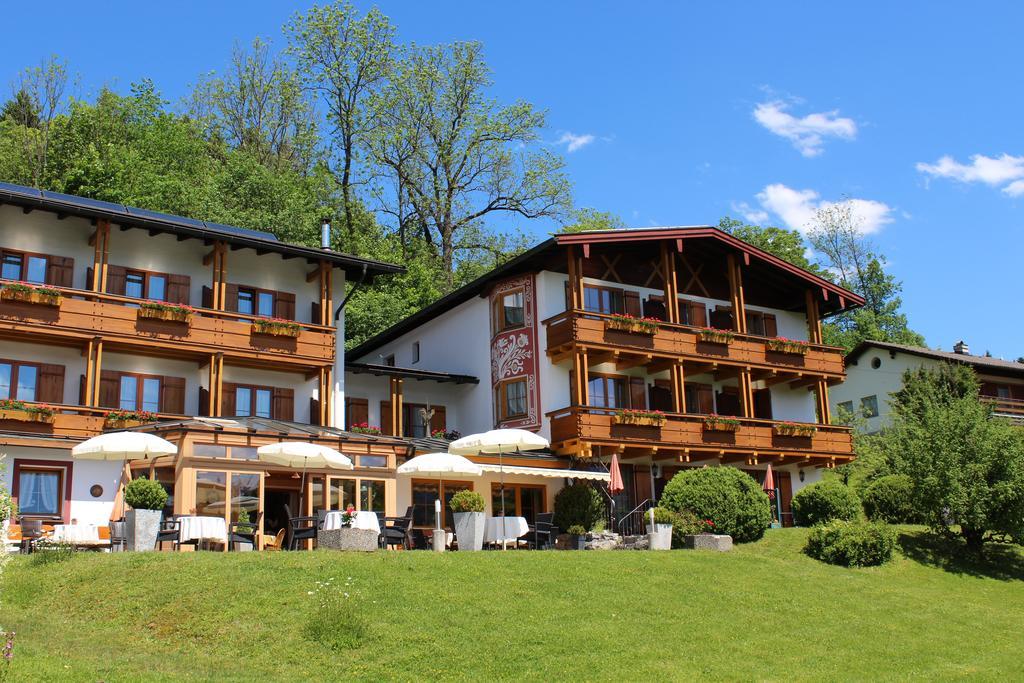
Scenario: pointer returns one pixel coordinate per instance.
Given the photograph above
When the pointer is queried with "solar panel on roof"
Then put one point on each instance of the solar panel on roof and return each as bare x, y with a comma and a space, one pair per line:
20, 189
170, 218
84, 202
245, 232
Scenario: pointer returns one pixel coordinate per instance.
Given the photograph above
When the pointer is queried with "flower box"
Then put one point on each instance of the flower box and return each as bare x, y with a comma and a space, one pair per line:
713, 336
792, 346
276, 328
792, 429
43, 296
161, 311
123, 419
364, 428
715, 423
20, 411
639, 417
632, 325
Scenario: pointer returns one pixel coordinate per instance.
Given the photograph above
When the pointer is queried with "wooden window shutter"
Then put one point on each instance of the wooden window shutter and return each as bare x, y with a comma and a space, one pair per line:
88, 278
771, 327
385, 417
227, 399
437, 421
631, 303
116, 278
763, 404
568, 299
231, 297
637, 393
81, 390
698, 314
60, 271
172, 395
284, 305
110, 389
50, 388
705, 399
314, 313
314, 411
282, 404
204, 401
207, 301
178, 289
357, 411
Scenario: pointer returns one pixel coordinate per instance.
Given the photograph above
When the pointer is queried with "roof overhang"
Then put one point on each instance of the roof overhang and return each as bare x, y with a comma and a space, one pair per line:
409, 373
548, 472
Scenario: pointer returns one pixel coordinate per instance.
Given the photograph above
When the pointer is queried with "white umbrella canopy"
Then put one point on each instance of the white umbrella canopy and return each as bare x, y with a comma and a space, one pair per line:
498, 441
440, 464
302, 455
123, 446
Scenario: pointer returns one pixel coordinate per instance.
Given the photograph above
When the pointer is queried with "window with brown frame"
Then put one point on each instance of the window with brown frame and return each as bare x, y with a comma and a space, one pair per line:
255, 301
147, 284
700, 398
248, 400
41, 269
617, 391
609, 300
425, 492
132, 391
509, 311
513, 401
521, 500
762, 324
23, 381
42, 488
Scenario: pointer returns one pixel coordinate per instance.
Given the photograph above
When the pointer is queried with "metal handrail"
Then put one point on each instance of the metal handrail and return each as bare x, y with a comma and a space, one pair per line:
632, 523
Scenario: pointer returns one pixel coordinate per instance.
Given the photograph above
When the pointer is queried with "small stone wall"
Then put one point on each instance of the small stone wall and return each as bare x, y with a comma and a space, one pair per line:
364, 540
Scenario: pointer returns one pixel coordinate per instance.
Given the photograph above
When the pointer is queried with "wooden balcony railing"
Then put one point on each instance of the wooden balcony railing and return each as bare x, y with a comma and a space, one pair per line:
80, 422
688, 433
82, 314
1013, 407
682, 341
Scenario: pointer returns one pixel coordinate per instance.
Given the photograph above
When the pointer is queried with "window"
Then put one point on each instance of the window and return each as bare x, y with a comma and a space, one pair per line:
135, 285
18, 381
508, 312
603, 300
869, 406
246, 298
140, 284
846, 407
521, 500
390, 361
415, 352
265, 304
415, 422
514, 403
138, 392
211, 493
424, 493
256, 302
371, 495
24, 267
876, 363
11, 269
40, 491
252, 401
606, 391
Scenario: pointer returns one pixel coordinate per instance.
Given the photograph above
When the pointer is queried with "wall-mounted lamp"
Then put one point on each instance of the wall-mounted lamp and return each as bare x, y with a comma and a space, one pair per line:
801, 475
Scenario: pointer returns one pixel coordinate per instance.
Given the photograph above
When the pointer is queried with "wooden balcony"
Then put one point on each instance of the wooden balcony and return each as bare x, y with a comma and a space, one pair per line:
686, 438
578, 329
82, 315
67, 421
1009, 407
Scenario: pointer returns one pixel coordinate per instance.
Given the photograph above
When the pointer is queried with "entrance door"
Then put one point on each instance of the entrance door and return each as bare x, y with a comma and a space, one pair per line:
275, 516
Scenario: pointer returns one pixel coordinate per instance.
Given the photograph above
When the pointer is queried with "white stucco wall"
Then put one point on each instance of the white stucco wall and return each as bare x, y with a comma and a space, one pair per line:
84, 507
303, 388
41, 232
863, 380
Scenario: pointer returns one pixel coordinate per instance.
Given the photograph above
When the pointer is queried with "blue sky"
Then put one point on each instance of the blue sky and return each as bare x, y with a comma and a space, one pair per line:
673, 113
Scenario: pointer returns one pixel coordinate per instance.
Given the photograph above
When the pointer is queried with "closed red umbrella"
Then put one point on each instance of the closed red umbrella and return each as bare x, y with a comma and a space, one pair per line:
615, 482
769, 482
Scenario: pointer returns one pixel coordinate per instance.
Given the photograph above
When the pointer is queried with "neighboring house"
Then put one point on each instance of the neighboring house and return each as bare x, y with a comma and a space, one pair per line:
875, 372
95, 339
550, 342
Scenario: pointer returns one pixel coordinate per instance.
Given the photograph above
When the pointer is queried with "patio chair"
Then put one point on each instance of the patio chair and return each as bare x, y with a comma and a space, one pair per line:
118, 539
276, 542
169, 532
381, 523
31, 531
244, 532
300, 529
321, 515
543, 533
400, 531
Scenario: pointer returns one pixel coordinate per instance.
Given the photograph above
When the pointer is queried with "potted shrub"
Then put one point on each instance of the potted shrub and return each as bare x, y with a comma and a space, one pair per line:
659, 528
577, 537
276, 327
468, 507
146, 499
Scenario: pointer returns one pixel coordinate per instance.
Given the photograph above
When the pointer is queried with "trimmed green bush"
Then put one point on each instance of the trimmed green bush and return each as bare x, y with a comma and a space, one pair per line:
730, 498
823, 502
143, 494
467, 501
890, 499
851, 544
661, 516
578, 504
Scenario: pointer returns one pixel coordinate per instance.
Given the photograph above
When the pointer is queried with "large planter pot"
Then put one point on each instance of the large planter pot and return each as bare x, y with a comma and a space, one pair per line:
577, 542
719, 542
142, 527
347, 538
659, 536
469, 530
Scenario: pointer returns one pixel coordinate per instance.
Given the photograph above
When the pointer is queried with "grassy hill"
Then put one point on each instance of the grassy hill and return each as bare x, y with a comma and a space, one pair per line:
764, 611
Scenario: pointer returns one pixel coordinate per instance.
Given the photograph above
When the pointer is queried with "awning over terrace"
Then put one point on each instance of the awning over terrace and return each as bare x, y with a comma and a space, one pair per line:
548, 472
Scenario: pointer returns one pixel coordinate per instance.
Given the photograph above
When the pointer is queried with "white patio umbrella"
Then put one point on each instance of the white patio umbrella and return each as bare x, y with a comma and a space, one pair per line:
123, 446
438, 465
499, 441
302, 454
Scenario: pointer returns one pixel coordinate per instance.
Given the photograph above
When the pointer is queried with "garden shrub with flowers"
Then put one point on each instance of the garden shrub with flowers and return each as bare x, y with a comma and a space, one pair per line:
336, 619
727, 497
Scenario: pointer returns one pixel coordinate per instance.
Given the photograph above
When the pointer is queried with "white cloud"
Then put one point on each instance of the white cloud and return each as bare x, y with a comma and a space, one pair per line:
796, 208
992, 171
575, 142
808, 133
749, 213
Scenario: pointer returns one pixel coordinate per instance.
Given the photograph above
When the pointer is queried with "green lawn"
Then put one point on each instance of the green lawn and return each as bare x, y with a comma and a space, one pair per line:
764, 611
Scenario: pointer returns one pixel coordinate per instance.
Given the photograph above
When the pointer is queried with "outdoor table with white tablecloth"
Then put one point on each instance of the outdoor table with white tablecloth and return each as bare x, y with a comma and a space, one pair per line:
513, 528
75, 533
363, 519
194, 528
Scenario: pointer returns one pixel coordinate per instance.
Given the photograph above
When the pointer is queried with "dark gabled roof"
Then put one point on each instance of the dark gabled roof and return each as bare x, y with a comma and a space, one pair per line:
995, 366
408, 373
240, 238
536, 257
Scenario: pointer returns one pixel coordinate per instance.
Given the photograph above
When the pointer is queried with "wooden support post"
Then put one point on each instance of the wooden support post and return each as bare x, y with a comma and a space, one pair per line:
821, 402
575, 279
678, 379
671, 291
97, 369
216, 379
90, 351
580, 392
813, 318
739, 313
396, 406
746, 394
218, 284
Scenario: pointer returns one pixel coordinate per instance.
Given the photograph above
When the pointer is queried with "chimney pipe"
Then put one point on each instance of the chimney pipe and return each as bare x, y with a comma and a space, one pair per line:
325, 233
961, 348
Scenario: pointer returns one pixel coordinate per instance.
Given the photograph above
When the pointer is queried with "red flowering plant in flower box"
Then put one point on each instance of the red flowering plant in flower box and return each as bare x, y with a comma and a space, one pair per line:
713, 335
276, 327
30, 293
364, 428
718, 423
161, 310
623, 322
653, 418
14, 409
783, 345
794, 429
348, 516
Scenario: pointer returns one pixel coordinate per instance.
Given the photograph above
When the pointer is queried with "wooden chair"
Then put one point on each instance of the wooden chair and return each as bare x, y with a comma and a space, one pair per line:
276, 542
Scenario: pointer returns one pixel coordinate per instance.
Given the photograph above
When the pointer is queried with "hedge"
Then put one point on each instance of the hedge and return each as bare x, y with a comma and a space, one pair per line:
851, 544
824, 502
730, 498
